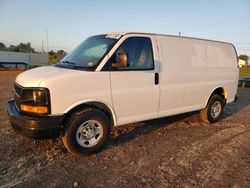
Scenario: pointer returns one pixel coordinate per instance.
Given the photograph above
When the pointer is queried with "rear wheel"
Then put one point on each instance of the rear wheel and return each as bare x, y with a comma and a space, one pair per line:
213, 112
86, 131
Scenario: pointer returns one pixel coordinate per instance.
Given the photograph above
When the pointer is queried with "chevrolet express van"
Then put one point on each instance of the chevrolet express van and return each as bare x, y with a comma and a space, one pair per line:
119, 78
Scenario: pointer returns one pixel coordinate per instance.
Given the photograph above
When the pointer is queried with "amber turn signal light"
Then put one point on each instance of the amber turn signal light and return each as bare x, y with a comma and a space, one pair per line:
35, 109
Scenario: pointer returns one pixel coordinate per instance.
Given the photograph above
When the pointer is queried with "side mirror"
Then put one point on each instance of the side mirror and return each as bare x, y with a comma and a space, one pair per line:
122, 60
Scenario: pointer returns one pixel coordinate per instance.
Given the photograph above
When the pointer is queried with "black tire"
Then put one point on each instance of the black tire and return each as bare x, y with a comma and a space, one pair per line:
75, 127
210, 113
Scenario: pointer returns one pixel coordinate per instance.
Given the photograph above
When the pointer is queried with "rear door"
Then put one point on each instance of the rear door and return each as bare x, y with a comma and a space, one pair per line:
135, 89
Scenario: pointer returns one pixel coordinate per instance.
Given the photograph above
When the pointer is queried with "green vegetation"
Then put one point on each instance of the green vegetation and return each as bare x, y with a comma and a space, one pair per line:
54, 57
244, 57
22, 47
245, 73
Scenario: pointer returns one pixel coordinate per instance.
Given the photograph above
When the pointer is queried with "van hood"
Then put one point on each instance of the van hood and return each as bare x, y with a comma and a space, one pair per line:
34, 77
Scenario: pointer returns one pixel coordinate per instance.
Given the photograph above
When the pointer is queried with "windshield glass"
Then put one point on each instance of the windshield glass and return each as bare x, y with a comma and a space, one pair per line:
89, 53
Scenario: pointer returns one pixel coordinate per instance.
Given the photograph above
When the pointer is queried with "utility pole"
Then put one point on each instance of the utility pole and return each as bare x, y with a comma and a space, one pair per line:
47, 39
42, 48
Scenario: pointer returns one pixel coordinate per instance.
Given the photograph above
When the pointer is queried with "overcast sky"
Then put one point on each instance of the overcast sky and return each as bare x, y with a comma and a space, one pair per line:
68, 22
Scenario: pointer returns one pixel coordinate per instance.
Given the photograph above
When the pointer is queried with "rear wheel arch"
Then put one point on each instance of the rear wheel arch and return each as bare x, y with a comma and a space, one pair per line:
219, 91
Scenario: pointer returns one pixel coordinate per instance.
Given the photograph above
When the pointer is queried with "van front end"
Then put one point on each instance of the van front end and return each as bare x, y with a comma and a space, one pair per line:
30, 113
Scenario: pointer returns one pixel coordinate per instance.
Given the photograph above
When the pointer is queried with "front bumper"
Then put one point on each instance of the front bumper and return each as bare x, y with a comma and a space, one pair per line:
34, 127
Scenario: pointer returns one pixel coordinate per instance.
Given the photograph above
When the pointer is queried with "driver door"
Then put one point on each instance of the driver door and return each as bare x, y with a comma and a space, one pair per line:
135, 89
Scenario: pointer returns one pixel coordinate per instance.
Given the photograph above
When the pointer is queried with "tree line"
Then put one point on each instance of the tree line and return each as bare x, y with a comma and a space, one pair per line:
244, 57
22, 47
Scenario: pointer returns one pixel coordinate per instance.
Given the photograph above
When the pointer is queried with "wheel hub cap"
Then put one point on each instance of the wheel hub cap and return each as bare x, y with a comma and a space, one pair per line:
216, 109
89, 133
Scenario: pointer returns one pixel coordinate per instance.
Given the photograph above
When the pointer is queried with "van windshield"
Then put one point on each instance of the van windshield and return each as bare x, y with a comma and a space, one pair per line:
89, 53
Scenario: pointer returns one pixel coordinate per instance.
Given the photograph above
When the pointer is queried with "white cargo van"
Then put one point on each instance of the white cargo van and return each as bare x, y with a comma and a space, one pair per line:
119, 78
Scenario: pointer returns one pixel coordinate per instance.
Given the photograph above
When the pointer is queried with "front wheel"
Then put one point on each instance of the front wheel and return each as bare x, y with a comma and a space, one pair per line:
213, 112
86, 131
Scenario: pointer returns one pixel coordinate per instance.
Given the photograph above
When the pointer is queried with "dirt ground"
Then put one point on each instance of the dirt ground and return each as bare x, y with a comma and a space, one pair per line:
177, 151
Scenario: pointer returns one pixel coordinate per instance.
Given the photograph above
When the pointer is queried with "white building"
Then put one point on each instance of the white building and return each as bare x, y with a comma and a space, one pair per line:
242, 63
8, 59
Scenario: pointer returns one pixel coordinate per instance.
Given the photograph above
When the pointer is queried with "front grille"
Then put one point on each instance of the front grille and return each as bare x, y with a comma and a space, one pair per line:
18, 89
17, 94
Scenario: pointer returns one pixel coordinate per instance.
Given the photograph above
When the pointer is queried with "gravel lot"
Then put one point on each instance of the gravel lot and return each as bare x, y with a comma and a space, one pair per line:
177, 151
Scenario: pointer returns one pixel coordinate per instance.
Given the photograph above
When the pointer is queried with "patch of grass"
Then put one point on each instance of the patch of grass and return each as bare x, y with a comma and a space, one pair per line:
244, 72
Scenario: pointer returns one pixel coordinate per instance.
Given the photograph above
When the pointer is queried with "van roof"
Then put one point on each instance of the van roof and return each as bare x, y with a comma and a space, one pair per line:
141, 33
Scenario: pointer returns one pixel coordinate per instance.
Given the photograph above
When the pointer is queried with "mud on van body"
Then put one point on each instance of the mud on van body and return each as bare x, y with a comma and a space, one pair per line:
120, 78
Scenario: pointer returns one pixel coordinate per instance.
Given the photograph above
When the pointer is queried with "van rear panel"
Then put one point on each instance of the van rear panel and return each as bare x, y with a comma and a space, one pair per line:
191, 69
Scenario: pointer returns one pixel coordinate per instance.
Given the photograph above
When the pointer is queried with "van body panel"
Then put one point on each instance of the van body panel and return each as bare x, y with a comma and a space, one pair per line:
33, 77
67, 87
135, 95
189, 71
77, 86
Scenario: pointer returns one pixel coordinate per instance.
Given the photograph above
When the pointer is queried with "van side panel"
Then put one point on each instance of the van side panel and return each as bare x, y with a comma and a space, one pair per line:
191, 70
222, 63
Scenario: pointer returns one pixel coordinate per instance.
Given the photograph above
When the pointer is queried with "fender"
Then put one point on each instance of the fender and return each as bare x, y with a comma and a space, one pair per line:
91, 101
224, 92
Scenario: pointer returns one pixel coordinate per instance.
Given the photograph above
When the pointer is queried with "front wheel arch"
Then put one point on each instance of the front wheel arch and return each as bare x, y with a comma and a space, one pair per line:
104, 107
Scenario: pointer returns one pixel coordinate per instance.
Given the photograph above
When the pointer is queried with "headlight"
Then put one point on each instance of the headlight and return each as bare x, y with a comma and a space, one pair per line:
40, 97
35, 101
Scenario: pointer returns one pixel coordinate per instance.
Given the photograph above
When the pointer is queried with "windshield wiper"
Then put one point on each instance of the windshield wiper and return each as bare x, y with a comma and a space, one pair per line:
68, 62
82, 67
73, 65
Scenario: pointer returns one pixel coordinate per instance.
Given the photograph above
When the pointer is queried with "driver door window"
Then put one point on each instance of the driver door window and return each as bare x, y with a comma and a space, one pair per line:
139, 52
